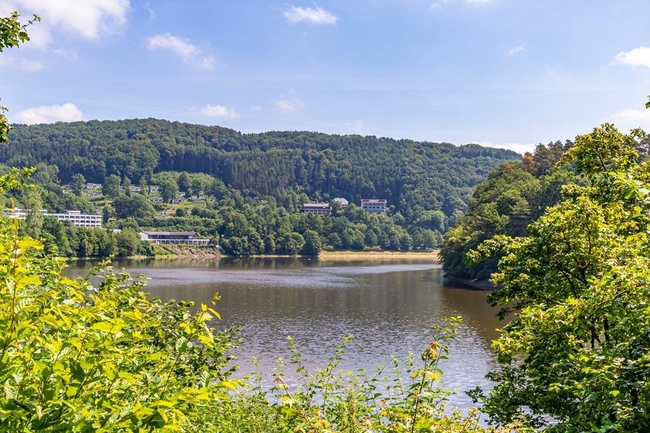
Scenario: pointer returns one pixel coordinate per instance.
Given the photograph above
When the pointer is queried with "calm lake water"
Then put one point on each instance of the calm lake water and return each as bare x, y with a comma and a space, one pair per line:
389, 306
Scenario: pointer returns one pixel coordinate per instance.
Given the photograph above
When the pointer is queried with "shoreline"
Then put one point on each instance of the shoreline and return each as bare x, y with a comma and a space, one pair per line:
379, 255
195, 253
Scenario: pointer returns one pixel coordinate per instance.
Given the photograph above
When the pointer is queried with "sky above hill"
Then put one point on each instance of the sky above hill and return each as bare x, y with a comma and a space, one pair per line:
504, 73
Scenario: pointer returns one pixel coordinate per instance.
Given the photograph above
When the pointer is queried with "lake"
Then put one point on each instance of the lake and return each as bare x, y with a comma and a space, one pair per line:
389, 306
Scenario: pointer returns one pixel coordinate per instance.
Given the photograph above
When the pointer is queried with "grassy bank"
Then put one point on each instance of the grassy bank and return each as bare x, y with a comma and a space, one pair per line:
379, 255
184, 251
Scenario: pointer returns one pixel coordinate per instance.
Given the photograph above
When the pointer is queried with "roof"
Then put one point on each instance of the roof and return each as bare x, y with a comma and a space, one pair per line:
318, 205
169, 233
373, 200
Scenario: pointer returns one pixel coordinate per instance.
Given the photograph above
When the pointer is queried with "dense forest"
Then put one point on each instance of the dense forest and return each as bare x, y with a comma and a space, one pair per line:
514, 195
412, 176
244, 192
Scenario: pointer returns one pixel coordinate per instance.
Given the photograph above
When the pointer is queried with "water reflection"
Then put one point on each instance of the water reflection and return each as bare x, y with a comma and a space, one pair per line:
388, 306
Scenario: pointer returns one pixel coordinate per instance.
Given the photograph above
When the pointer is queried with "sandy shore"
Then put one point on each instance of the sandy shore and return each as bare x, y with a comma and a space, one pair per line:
379, 255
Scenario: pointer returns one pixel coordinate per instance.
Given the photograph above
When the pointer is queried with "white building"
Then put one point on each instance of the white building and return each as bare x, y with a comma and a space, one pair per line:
374, 205
78, 219
317, 208
344, 202
175, 238
74, 216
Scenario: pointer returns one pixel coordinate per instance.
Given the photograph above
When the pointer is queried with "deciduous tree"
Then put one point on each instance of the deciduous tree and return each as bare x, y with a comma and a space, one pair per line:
574, 357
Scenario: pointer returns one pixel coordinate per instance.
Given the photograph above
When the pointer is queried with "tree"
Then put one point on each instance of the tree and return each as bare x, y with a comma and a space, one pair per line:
12, 34
313, 244
184, 183
574, 355
78, 184
78, 357
290, 243
168, 189
111, 186
34, 220
136, 206
126, 243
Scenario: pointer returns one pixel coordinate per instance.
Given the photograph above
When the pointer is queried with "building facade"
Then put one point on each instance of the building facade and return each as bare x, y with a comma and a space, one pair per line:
374, 205
78, 219
74, 216
317, 208
174, 238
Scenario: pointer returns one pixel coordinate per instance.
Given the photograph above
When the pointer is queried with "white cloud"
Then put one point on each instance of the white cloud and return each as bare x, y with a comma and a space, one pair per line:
208, 63
518, 49
49, 114
440, 3
317, 16
289, 105
152, 13
256, 108
631, 118
174, 44
219, 111
67, 54
182, 48
21, 63
89, 19
517, 147
637, 57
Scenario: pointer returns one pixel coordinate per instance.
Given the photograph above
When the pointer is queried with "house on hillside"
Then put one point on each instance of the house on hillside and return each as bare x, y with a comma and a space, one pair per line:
78, 219
344, 202
174, 238
74, 216
374, 205
316, 208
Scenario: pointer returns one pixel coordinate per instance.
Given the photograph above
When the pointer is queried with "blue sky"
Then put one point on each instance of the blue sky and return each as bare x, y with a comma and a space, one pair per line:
505, 73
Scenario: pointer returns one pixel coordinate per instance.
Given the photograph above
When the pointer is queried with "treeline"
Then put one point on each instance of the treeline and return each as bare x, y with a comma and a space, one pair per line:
240, 225
514, 195
413, 176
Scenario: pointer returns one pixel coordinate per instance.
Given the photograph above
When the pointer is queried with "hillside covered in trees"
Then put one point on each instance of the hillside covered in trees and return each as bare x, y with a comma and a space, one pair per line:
514, 195
412, 176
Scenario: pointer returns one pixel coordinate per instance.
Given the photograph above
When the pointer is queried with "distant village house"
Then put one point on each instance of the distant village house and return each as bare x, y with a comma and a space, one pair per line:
174, 238
316, 208
77, 218
374, 205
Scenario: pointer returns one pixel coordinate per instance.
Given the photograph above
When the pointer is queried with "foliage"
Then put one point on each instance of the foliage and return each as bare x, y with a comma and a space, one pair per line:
75, 357
408, 398
135, 205
12, 34
512, 196
574, 356
413, 176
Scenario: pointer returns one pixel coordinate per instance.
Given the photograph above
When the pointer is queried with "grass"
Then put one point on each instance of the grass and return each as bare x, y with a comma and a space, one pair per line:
380, 255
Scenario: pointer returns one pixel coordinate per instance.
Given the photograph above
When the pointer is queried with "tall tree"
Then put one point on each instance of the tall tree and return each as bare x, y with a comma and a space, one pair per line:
574, 357
78, 184
111, 186
168, 189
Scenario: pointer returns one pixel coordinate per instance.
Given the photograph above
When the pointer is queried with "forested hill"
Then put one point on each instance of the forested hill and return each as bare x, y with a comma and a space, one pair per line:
413, 176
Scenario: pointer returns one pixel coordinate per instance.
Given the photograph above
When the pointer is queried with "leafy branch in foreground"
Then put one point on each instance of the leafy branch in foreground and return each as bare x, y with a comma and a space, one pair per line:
408, 398
12, 34
75, 357
574, 357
